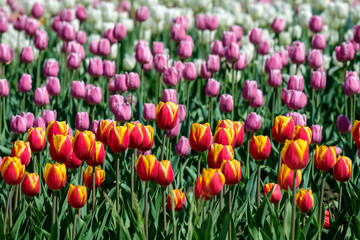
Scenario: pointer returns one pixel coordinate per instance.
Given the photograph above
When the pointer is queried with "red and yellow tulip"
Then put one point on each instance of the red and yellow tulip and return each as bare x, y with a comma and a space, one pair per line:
179, 200
199, 192
21, 150
239, 133
135, 134
303, 132
232, 171
72, 162
286, 176
295, 154
217, 153
166, 115
276, 193
55, 176
283, 128
99, 156
165, 174
325, 157
260, 147
31, 184
103, 129
148, 138
60, 148
77, 196
84, 145
305, 200
119, 139
147, 167
99, 177
36, 139
200, 137
225, 136
355, 131
55, 128
12, 171
213, 181
342, 169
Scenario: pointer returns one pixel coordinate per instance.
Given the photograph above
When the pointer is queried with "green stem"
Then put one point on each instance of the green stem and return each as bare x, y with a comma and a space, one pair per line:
38, 70
1, 114
247, 170
163, 147
221, 200
230, 198
323, 179
22, 102
132, 103
117, 183
233, 92
173, 210
34, 163
188, 98
146, 212
54, 208
8, 209
351, 116
181, 167
93, 191
340, 196
164, 208
279, 99
199, 165
159, 89
118, 58
293, 216
284, 216
132, 178
258, 184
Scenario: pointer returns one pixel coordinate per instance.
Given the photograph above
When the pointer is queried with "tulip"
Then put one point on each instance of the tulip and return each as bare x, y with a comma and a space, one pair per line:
211, 23
39, 122
19, 24
29, 119
217, 48
297, 52
109, 35
120, 83
160, 63
172, 133
327, 219
53, 86
41, 96
255, 36
212, 88
166, 115
249, 90
239, 134
142, 14
276, 193
318, 41
318, 79
315, 59
315, 24
278, 26
296, 82
242, 62
232, 171
232, 53
84, 145
31, 26
273, 62
26, 55
54, 128
165, 174
82, 121
260, 147
200, 21
148, 138
225, 136
325, 157
3, 23
344, 125
60, 148
147, 167
228, 37
351, 85
93, 47
171, 76
18, 124
204, 73
81, 13
93, 95
295, 154
81, 37
135, 134
286, 176
258, 101
185, 49
99, 177
238, 31
316, 131
118, 138
200, 137
132, 81
55, 176
66, 15
149, 111
157, 48
177, 32
103, 130
302, 132
24, 84
5, 53
344, 52
295, 99
123, 113
199, 191
305, 200
31, 184
217, 153
67, 32
253, 122
73, 61
213, 181
77, 196
342, 170
178, 198
22, 151
275, 79
103, 47
95, 68
72, 162
263, 48
78, 89
36, 139
12, 171
182, 147
189, 72
226, 103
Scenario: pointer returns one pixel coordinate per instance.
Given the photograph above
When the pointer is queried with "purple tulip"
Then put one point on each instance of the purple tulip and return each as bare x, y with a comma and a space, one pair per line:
263, 48
253, 123
20, 23
275, 79
352, 84
128, 99
295, 99
217, 48
299, 119
53, 86
48, 116
169, 95
119, 31
179, 66
109, 35
93, 47
181, 112
103, 47
41, 40
200, 21
255, 36
149, 111
24, 84
29, 119
123, 113
26, 55
73, 61
160, 63
258, 101
238, 31
249, 90
171, 76
120, 83
228, 37
132, 80
318, 79
95, 68
297, 52
345, 52
18, 124
190, 71
108, 68
142, 14
78, 89
295, 82
278, 25
4, 88
31, 26
211, 22
39, 122
204, 73
82, 121
232, 53
284, 57
67, 32
51, 68
157, 48
177, 32
212, 88
81, 13
315, 58
114, 101
343, 124
185, 49
213, 63
93, 95
316, 131
183, 147
41, 96
226, 103
315, 24
318, 41
172, 133
66, 15
94, 126
81, 37
273, 62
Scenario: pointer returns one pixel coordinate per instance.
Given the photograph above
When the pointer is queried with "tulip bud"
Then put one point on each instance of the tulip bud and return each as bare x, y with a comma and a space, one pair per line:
73, 61
66, 15
93, 47
171, 76
344, 125
318, 79
239, 133
165, 174
54, 128
157, 48
172, 133
217, 48
276, 193
213, 63
327, 219
24, 84
6, 53
103, 47
315, 24
60, 148
77, 196
177, 32
39, 122
93, 95
82, 121
132, 81
226, 103
253, 123
249, 90
41, 96
99, 177
241, 62
258, 101
217, 153
12, 171
286, 176
84, 145
263, 48
316, 131
31, 26
225, 136
228, 37
199, 191
302, 132
232, 53
278, 26
166, 115
4, 88
297, 52
95, 68
53, 86
72, 162
315, 58
55, 176
31, 184
123, 113
26, 55
211, 22
49, 116
41, 40
142, 14
81, 13
213, 181
324, 157
36, 139
260, 147
255, 36
232, 171
147, 167
19, 24
296, 82
318, 41
183, 147
342, 170
275, 79
118, 138
109, 68
99, 156
18, 124
178, 198
351, 85
3, 23
22, 151
119, 31
295, 153
200, 21
345, 52
273, 62
160, 63
185, 49
148, 138
200, 137
295, 99
189, 72
305, 200
212, 88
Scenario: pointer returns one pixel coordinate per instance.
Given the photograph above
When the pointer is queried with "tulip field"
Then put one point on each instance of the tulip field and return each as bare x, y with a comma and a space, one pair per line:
179, 119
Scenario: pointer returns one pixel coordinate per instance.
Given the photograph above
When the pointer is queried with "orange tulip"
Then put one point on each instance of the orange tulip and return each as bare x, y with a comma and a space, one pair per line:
324, 157
135, 134
165, 174
295, 154
148, 138
276, 193
286, 176
303, 132
60, 148
217, 153
179, 200
119, 139
342, 169
99, 177
99, 156
200, 137
225, 136
77, 196
21, 150
84, 145
55, 176
166, 115
305, 200
55, 128
31, 184
260, 147
232, 171
213, 181
12, 171
147, 167
239, 133
199, 192
103, 129
36, 138
283, 128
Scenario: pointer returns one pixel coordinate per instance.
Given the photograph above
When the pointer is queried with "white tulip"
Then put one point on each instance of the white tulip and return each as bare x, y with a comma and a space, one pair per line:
113, 51
129, 61
304, 17
27, 4
129, 24
326, 61
295, 31
68, 3
94, 15
198, 62
256, 10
